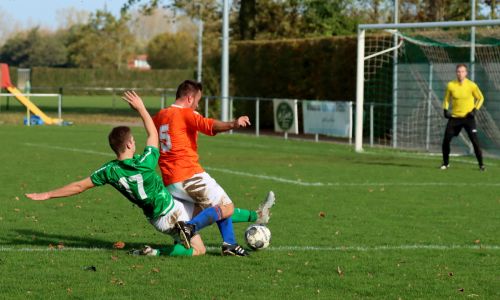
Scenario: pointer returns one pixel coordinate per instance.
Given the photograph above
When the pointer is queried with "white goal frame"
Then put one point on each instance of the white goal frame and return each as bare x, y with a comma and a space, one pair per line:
28, 95
358, 139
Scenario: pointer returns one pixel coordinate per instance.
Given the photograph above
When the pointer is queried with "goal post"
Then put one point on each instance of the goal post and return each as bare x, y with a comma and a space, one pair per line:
429, 52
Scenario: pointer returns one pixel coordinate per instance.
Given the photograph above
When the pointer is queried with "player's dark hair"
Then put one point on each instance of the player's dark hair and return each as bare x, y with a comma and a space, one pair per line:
188, 88
461, 65
118, 138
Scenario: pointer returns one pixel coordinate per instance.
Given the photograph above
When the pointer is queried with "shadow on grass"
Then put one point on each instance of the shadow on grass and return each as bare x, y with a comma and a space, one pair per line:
27, 237
31, 238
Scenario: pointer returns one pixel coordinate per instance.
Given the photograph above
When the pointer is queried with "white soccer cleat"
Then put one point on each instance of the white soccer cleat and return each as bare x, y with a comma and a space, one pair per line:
445, 167
147, 251
263, 212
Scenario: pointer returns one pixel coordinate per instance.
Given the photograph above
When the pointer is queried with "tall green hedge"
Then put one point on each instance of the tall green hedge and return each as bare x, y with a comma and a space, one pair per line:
321, 68
76, 78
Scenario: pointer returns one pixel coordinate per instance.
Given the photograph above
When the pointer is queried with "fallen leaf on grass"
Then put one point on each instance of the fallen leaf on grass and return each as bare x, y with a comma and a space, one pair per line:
450, 274
17, 198
17, 210
477, 242
461, 290
155, 270
339, 271
60, 246
119, 245
322, 214
115, 258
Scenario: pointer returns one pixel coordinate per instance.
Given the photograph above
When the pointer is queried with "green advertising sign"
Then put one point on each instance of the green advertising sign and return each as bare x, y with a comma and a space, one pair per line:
285, 116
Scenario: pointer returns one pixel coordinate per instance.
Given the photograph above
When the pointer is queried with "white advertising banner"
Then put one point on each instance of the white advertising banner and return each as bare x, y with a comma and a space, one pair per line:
328, 118
285, 116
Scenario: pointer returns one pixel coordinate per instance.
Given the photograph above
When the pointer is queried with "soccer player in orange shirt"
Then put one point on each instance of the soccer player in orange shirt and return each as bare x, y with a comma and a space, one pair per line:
178, 127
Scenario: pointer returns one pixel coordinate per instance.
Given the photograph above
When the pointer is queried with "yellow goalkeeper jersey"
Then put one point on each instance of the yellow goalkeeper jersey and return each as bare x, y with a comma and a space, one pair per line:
464, 97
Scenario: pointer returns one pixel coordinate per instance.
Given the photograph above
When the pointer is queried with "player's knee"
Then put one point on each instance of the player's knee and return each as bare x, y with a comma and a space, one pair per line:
227, 210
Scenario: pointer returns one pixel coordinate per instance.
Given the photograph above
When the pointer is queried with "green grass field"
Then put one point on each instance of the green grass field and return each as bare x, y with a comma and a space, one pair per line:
382, 224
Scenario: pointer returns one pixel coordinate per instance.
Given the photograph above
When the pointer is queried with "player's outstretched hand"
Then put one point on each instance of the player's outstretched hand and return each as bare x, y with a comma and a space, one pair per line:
242, 121
133, 100
38, 196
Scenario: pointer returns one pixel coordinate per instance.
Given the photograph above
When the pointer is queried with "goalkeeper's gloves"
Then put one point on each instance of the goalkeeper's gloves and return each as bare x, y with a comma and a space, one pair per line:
446, 114
472, 113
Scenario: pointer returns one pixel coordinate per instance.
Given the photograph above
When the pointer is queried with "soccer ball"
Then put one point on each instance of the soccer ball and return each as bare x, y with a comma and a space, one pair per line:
258, 236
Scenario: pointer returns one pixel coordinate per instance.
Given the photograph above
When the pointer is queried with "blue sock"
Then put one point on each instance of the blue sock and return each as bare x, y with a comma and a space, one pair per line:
206, 217
226, 230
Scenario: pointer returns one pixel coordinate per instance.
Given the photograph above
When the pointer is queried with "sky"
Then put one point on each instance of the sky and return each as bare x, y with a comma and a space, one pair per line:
43, 12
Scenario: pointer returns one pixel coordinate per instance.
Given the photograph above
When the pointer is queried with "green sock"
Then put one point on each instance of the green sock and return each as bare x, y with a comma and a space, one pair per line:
176, 250
244, 215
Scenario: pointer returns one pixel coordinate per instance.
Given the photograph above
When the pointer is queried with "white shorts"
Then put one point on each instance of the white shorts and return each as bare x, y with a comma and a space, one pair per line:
182, 211
201, 189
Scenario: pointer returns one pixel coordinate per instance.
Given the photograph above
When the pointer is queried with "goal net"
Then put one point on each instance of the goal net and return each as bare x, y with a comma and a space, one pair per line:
405, 76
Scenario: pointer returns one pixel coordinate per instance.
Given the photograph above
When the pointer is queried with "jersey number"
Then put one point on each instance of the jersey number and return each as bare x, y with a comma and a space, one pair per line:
140, 185
165, 141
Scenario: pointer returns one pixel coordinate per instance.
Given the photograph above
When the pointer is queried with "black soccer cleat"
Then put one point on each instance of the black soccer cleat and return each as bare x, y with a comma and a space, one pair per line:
482, 168
233, 250
186, 232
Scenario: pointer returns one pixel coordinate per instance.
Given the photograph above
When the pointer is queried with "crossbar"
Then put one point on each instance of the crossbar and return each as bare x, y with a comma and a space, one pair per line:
430, 24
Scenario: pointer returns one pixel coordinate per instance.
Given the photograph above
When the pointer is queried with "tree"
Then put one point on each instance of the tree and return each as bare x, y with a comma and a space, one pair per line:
68, 17
105, 42
329, 17
171, 51
246, 19
34, 49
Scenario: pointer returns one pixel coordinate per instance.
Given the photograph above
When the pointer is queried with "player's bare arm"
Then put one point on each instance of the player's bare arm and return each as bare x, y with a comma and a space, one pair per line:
220, 126
71, 189
136, 103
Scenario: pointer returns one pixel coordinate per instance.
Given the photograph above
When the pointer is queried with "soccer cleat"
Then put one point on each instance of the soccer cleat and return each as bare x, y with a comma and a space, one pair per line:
482, 168
263, 211
233, 250
186, 232
444, 167
147, 251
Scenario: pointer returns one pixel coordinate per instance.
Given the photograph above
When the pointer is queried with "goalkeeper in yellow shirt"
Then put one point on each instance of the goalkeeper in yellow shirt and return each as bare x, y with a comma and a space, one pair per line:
466, 99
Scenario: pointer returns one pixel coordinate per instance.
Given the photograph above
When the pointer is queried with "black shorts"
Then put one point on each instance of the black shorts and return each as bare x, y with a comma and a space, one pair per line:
455, 125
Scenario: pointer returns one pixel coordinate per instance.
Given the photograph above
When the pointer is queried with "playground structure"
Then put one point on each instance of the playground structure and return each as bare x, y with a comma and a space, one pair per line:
31, 107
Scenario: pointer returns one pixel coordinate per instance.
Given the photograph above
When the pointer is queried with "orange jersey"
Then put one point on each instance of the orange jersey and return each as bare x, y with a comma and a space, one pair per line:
178, 131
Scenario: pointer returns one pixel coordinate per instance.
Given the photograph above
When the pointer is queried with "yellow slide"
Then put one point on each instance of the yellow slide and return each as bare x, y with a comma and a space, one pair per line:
32, 107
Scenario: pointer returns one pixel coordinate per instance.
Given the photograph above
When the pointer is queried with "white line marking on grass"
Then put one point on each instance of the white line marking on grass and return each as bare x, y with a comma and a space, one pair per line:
343, 184
386, 248
291, 181
295, 248
273, 178
428, 156
69, 149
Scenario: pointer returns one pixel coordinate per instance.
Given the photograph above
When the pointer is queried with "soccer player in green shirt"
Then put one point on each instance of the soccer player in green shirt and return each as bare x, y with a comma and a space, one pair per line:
135, 177
466, 98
